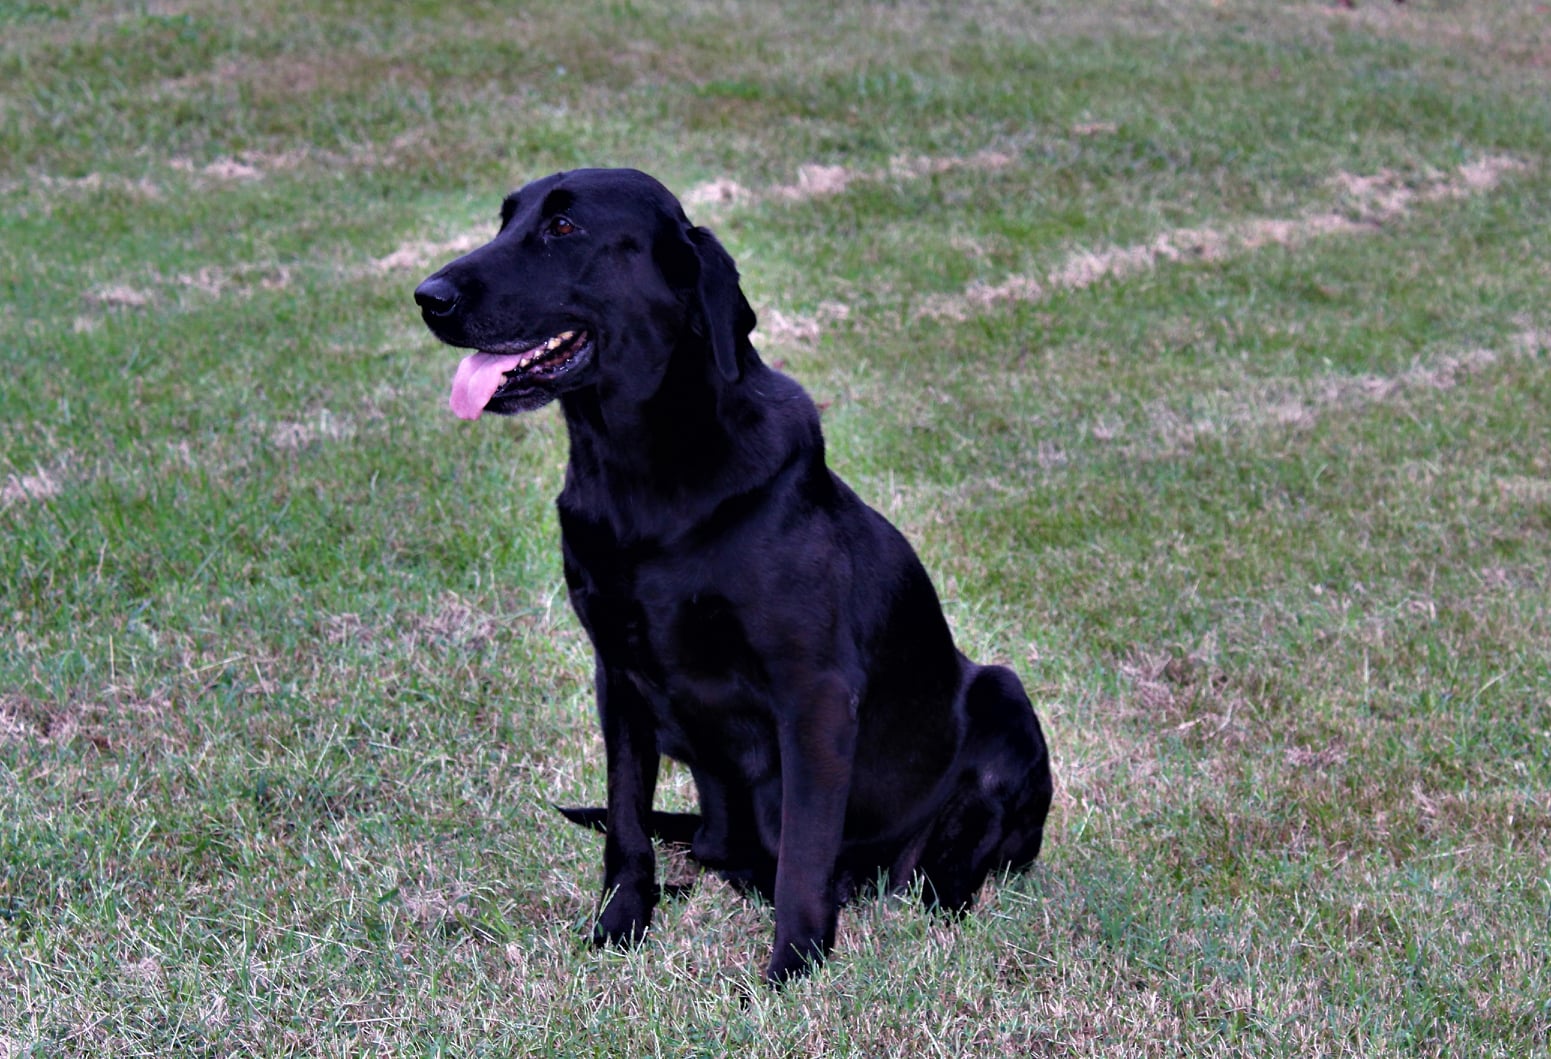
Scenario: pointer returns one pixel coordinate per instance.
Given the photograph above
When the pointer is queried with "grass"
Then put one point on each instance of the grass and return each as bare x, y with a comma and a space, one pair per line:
1201, 348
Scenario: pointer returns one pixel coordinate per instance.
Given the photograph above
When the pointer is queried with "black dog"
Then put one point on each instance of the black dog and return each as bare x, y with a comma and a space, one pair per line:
750, 616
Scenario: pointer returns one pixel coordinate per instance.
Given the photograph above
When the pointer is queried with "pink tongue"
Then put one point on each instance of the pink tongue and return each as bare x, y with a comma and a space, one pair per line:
478, 378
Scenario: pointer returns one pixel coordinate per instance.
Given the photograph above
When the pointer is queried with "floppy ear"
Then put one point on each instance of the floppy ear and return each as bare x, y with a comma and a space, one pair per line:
728, 316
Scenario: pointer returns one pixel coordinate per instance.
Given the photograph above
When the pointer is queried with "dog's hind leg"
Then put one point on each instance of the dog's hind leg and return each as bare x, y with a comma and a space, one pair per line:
995, 818
728, 838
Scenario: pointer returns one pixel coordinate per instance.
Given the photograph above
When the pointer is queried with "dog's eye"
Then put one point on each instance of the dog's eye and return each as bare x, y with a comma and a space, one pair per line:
561, 226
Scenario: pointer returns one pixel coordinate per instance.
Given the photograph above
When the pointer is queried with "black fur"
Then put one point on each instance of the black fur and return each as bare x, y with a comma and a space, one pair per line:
751, 617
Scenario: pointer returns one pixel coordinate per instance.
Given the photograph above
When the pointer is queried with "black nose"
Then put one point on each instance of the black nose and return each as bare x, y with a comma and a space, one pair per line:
437, 296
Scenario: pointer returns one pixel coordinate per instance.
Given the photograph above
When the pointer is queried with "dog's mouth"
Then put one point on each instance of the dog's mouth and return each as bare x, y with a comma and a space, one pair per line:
507, 380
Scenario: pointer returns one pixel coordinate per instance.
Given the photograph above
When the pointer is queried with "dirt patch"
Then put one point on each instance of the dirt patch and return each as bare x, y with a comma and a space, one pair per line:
822, 181
216, 281
40, 485
1484, 174
778, 328
91, 184
292, 435
1377, 196
911, 167
120, 294
1185, 691
1531, 342
785, 329
1370, 201
222, 169
1442, 373
1299, 406
718, 192
243, 167
29, 721
458, 622
421, 253
816, 181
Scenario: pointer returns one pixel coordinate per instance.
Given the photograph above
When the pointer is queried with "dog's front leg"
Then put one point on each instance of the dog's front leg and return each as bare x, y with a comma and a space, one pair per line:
629, 862
818, 741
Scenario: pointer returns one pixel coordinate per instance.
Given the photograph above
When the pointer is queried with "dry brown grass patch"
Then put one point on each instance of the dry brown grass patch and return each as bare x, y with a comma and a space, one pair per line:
223, 170
1369, 201
815, 180
779, 328
41, 484
92, 184
420, 253
325, 426
110, 722
1284, 404
120, 295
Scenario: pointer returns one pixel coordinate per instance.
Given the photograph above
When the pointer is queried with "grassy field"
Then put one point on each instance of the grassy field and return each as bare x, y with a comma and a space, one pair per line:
1202, 347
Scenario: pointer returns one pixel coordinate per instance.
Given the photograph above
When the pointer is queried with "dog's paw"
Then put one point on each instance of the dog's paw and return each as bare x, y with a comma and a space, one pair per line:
625, 919
794, 961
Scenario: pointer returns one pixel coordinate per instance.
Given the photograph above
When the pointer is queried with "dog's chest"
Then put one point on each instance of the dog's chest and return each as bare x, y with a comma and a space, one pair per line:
679, 638
682, 639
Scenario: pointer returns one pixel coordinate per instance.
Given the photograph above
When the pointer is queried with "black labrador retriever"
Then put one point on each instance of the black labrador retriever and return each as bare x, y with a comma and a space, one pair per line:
750, 616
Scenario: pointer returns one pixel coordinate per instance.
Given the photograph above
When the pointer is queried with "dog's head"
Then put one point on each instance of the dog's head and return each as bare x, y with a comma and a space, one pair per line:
595, 278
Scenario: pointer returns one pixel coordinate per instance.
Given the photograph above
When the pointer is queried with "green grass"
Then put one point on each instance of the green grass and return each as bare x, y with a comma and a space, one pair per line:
287, 677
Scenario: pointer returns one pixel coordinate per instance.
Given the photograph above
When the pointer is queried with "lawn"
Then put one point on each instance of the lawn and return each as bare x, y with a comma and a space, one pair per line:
1201, 347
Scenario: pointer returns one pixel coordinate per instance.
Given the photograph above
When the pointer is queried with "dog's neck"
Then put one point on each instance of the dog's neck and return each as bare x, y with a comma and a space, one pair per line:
673, 459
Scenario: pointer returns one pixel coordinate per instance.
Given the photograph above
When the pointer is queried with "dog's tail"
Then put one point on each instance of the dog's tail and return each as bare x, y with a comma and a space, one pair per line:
677, 829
